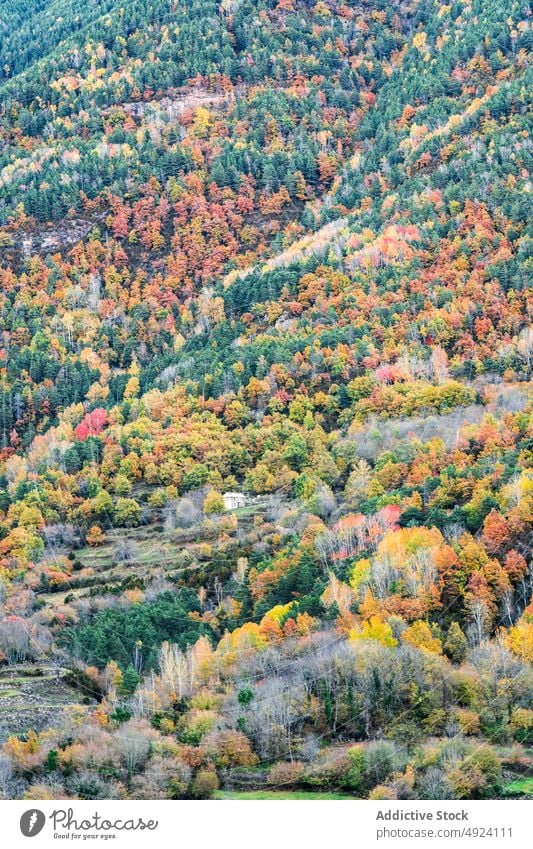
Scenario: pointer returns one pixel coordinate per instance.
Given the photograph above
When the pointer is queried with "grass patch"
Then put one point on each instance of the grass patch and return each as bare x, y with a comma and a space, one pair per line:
32, 680
274, 795
9, 693
522, 786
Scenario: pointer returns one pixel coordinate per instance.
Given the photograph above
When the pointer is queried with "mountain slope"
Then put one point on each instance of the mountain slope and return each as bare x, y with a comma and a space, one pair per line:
281, 249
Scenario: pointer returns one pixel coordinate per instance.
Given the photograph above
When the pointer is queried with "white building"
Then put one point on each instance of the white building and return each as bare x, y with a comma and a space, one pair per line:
233, 500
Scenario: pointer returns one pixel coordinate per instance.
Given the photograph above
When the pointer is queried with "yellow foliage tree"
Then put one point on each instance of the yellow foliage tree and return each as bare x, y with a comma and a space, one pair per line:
213, 503
374, 629
519, 639
132, 386
419, 635
95, 535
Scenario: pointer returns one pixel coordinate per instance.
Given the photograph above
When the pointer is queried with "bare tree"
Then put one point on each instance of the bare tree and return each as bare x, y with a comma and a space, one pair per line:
7, 781
126, 551
434, 784
187, 514
15, 639
132, 741
477, 630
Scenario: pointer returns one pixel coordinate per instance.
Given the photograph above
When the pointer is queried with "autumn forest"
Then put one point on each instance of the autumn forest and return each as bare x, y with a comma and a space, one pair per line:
266, 437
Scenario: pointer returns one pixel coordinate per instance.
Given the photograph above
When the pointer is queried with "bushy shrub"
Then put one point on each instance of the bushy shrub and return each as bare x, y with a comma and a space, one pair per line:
205, 784
286, 774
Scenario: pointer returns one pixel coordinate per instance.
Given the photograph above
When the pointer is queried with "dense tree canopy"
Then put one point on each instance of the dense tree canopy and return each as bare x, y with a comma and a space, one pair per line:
280, 249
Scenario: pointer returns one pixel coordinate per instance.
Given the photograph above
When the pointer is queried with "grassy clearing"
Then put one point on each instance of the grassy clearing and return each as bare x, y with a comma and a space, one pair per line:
522, 786
176, 552
274, 795
7, 693
28, 679
152, 549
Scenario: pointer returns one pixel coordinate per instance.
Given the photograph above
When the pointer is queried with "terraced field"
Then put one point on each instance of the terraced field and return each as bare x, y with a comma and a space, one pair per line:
278, 795
153, 550
31, 696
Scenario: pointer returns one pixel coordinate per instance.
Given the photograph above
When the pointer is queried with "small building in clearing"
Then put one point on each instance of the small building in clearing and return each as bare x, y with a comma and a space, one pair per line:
233, 500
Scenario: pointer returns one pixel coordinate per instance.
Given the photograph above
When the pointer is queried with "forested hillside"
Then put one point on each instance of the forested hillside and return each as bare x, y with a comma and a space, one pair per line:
279, 249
